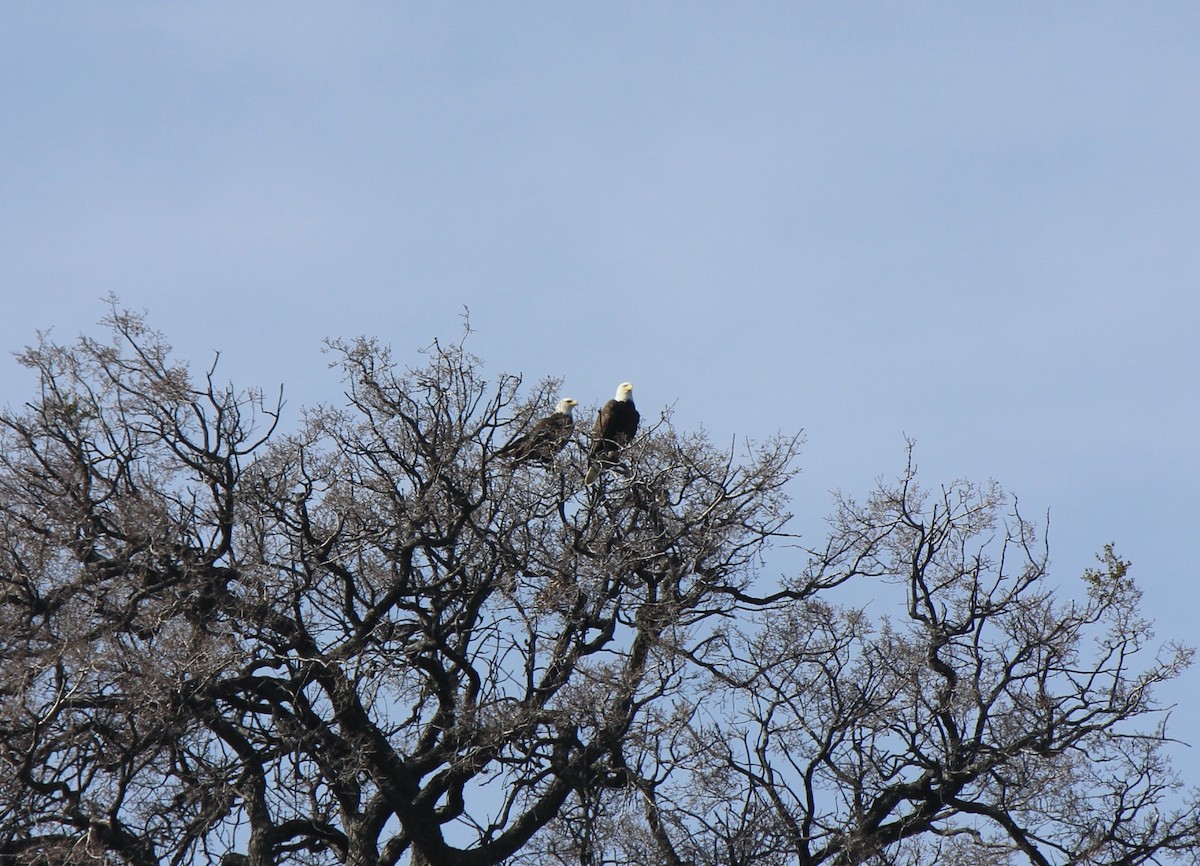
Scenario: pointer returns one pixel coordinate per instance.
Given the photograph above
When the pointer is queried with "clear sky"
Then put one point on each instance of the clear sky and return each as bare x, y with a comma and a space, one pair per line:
975, 224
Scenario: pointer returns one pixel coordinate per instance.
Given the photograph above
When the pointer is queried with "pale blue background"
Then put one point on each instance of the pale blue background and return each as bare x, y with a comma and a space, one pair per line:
975, 224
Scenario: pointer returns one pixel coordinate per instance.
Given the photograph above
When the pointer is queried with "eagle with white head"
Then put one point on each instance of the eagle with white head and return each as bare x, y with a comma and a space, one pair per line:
616, 425
545, 439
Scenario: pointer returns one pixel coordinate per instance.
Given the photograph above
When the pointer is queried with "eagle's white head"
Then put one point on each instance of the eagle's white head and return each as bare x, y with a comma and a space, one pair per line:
624, 392
565, 405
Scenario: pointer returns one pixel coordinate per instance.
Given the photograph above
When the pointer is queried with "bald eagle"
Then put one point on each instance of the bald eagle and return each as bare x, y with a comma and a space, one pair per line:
615, 427
545, 439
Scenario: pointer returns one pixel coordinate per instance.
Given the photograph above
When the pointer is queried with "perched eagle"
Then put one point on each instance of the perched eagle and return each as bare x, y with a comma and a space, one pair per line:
546, 439
615, 428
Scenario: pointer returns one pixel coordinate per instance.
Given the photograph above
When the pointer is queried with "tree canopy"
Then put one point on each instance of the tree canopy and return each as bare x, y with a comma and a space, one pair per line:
364, 638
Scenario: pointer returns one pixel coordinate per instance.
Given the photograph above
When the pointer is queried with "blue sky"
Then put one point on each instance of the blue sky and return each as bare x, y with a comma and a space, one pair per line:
977, 225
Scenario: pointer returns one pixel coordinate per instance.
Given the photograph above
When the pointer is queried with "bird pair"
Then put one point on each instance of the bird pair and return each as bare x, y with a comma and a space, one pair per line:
615, 427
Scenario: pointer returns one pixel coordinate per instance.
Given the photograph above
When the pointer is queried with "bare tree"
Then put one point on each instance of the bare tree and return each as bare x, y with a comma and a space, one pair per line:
369, 640
361, 639
981, 718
